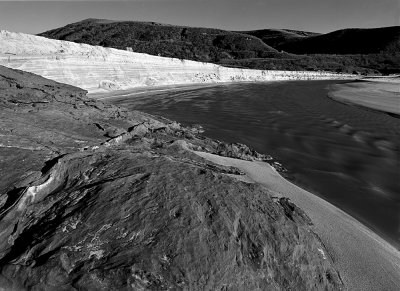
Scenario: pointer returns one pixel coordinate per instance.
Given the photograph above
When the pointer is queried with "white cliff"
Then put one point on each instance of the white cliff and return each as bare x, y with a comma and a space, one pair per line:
97, 68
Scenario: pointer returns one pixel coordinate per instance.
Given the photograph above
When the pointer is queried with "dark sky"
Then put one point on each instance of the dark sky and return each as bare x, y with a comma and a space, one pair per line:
309, 15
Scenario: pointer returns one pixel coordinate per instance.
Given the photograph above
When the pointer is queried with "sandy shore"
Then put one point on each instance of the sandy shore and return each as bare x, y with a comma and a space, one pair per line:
156, 89
365, 261
381, 94
386, 79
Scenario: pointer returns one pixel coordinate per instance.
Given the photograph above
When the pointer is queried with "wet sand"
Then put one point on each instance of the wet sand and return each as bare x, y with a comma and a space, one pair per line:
378, 94
365, 261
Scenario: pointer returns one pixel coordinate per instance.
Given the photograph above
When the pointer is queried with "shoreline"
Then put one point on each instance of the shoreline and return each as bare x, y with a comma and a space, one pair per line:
377, 232
378, 94
355, 249
104, 95
147, 91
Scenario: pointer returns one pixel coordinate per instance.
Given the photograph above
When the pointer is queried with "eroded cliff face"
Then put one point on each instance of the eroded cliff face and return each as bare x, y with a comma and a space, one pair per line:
95, 68
93, 197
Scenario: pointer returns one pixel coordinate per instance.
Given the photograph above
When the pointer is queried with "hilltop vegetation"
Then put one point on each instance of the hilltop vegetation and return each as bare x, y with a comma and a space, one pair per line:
277, 37
346, 41
358, 64
365, 51
200, 44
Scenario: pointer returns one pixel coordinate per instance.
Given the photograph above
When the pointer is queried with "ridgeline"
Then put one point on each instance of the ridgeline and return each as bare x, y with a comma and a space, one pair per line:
364, 51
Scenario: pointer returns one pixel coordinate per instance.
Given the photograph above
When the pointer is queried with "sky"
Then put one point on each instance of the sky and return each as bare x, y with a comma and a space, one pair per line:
308, 15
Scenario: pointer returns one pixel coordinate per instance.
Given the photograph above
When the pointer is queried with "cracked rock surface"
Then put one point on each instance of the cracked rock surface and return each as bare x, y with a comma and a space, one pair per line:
93, 197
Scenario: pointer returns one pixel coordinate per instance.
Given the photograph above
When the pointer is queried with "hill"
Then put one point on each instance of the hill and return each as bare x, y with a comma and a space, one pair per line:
363, 51
277, 37
346, 41
200, 44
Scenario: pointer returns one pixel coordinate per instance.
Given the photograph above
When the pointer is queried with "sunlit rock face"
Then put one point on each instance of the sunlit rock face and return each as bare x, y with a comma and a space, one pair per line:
97, 68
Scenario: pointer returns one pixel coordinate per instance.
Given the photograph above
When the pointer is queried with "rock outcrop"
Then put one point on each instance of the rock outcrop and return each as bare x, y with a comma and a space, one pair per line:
95, 68
93, 197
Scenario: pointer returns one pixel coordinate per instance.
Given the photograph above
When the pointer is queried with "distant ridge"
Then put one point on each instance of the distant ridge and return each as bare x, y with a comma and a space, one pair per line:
200, 44
346, 41
277, 37
362, 51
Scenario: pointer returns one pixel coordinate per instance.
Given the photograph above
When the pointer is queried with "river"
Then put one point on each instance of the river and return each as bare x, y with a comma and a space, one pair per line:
346, 154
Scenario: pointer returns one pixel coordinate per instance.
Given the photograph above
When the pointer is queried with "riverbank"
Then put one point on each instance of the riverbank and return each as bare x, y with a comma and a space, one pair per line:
344, 154
133, 92
98, 69
381, 94
365, 261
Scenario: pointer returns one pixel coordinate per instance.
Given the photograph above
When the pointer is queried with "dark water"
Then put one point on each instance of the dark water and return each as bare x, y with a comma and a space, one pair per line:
345, 154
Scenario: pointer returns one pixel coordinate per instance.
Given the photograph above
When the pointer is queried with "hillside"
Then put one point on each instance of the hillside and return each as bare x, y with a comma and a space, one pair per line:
346, 41
350, 51
277, 37
200, 44
94, 197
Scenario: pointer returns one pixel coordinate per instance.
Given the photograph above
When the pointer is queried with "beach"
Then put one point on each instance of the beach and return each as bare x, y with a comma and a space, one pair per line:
382, 94
365, 261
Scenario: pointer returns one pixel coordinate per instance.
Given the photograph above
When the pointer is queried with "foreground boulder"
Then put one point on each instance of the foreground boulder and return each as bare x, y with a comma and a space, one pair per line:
83, 209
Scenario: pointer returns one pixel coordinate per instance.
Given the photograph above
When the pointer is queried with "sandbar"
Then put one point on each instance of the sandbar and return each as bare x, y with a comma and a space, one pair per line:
382, 94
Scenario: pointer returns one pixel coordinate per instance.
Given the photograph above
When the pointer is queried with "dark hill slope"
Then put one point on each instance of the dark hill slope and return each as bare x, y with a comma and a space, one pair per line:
201, 44
277, 37
251, 49
346, 41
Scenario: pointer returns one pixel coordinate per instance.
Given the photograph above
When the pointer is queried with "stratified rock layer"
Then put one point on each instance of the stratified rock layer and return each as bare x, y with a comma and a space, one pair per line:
80, 210
97, 68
